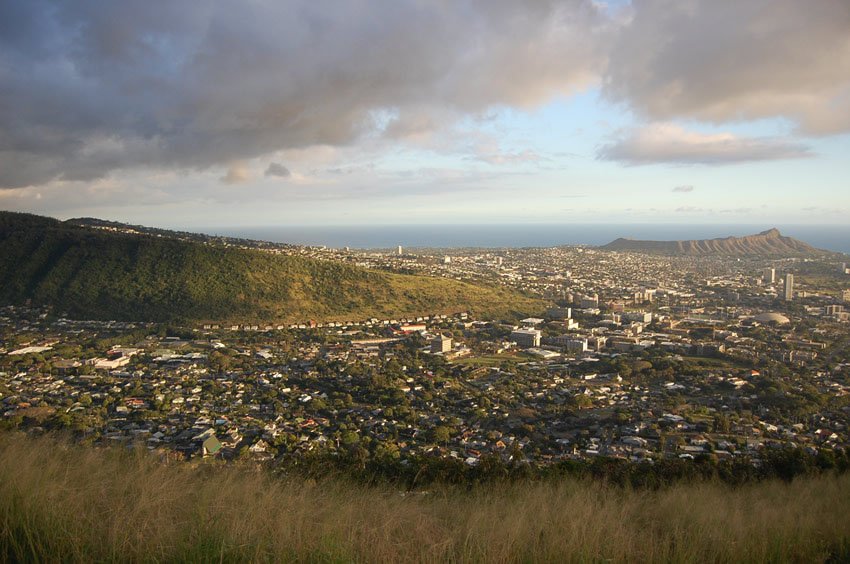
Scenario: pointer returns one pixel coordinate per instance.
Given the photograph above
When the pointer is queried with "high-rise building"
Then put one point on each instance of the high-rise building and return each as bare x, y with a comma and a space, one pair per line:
644, 296
526, 337
789, 287
441, 344
639, 316
589, 301
559, 312
769, 275
400, 251
571, 343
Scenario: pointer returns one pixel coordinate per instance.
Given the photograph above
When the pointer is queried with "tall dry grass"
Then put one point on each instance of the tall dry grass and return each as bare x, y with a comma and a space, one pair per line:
63, 502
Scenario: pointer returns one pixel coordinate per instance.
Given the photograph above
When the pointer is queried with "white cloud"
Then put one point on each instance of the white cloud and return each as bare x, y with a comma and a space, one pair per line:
509, 158
96, 87
725, 61
670, 143
237, 173
194, 84
685, 188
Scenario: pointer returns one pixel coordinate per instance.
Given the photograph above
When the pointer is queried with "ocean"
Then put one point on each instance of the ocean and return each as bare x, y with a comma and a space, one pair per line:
829, 237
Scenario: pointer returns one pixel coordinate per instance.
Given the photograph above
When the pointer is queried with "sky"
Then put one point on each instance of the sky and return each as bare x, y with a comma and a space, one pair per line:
198, 113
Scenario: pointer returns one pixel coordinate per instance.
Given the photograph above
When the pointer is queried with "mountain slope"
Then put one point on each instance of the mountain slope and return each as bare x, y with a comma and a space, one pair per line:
770, 242
101, 275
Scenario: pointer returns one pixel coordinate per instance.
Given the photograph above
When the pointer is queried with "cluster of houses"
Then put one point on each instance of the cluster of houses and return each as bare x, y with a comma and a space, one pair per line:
401, 389
638, 357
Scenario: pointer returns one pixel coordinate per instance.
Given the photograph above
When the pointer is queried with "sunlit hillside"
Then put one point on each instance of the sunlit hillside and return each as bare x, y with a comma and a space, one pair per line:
99, 275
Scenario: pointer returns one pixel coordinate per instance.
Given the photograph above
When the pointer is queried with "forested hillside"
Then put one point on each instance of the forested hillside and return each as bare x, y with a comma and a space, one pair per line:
85, 273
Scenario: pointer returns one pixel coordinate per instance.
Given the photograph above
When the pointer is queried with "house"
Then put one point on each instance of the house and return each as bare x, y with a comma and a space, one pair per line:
260, 447
109, 364
210, 447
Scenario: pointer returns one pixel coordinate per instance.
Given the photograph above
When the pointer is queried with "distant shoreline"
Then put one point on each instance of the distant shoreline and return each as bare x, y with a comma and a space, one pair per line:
830, 237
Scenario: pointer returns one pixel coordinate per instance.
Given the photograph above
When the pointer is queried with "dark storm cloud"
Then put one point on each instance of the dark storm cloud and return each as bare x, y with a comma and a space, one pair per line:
92, 86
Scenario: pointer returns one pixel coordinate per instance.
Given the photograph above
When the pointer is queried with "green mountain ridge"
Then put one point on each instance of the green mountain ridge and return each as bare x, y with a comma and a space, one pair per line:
87, 273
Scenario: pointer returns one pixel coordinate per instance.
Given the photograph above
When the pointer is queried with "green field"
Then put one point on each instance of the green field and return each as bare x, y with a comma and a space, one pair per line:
493, 360
828, 284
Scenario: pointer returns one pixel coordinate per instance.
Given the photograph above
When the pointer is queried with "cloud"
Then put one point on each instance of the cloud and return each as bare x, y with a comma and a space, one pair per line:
731, 61
93, 87
237, 173
509, 158
672, 144
278, 170
684, 188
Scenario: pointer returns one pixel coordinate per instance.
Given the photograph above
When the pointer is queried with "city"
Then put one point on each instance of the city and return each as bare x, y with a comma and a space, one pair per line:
637, 356
416, 282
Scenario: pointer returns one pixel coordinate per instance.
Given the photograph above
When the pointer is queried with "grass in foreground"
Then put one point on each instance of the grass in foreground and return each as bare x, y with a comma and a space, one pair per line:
62, 502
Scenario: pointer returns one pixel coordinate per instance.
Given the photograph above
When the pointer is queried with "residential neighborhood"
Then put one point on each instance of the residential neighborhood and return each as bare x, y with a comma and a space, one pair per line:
638, 357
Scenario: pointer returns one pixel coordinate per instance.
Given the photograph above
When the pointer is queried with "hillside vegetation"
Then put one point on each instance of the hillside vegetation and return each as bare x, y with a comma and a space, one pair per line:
63, 502
100, 275
766, 243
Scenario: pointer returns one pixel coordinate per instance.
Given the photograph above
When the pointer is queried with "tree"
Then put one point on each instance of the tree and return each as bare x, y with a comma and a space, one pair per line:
581, 401
720, 423
386, 452
441, 434
350, 438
